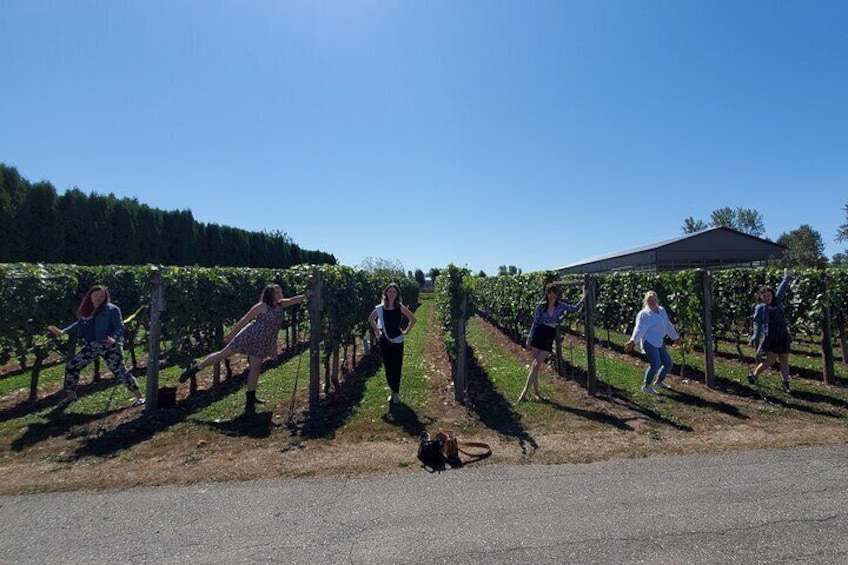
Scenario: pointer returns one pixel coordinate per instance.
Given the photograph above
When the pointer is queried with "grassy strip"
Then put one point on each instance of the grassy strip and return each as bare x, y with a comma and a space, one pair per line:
621, 378
372, 417
20, 381
801, 366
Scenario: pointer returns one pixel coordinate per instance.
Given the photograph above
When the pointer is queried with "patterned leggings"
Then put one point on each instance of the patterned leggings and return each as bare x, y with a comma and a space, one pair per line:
112, 354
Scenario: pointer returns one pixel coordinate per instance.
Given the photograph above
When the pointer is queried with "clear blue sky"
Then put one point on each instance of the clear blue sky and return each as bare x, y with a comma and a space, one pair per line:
482, 133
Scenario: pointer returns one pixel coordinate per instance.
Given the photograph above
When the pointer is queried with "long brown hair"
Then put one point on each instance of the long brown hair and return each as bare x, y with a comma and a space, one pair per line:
398, 302
267, 295
86, 306
764, 289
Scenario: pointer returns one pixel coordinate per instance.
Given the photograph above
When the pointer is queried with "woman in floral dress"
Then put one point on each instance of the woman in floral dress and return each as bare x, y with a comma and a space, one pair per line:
254, 335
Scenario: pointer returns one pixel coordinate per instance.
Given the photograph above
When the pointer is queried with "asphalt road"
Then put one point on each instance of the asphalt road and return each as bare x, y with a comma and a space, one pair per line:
788, 506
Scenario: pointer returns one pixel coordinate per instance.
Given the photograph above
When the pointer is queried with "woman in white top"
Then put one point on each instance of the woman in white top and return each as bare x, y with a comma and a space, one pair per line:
652, 325
386, 321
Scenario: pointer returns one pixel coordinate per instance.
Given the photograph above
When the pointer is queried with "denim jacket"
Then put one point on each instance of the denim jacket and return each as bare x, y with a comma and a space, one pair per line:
542, 316
107, 323
761, 310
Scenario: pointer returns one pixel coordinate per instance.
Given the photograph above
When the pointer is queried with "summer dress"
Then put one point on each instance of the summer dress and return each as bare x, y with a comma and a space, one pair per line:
259, 337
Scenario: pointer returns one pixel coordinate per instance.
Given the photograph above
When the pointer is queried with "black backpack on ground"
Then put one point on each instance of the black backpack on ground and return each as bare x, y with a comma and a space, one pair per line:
430, 450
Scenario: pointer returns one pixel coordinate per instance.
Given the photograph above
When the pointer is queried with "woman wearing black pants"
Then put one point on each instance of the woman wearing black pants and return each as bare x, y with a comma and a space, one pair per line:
386, 320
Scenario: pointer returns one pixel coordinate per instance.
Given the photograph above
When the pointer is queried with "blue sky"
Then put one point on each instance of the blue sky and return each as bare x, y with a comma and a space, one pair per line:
481, 133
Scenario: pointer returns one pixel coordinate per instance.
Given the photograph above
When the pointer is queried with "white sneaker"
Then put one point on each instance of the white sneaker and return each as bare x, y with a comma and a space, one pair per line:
648, 390
662, 384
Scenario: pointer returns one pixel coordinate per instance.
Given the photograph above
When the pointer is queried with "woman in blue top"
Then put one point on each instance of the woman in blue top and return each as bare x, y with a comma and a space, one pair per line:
100, 327
540, 340
652, 325
770, 326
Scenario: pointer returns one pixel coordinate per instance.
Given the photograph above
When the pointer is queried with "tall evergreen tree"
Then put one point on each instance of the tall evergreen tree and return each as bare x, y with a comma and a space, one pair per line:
37, 225
75, 213
258, 249
37, 220
213, 241
101, 221
12, 191
124, 248
180, 236
149, 233
235, 250
419, 277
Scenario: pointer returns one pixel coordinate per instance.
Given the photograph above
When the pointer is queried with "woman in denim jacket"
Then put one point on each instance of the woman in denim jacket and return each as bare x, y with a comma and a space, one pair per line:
540, 339
100, 327
770, 330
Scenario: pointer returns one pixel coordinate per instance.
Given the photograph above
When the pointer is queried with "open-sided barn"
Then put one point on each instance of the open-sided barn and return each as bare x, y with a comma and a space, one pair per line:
715, 247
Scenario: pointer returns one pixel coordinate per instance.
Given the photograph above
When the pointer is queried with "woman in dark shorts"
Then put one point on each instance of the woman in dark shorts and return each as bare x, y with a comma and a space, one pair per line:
540, 340
255, 335
770, 326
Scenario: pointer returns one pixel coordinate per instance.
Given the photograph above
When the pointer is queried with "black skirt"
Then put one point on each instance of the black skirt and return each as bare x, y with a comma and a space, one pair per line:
778, 343
543, 338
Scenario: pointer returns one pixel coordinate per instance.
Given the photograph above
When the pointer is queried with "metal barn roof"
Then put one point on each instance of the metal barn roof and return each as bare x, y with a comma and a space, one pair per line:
713, 247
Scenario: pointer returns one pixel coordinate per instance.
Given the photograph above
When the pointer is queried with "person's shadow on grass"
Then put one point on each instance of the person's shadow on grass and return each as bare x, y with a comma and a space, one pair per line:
402, 415
252, 424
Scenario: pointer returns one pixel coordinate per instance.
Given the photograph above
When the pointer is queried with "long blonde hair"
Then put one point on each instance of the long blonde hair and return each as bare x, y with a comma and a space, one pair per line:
648, 295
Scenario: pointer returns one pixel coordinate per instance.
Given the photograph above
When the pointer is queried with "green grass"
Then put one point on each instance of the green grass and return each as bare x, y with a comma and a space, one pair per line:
620, 378
38, 436
509, 373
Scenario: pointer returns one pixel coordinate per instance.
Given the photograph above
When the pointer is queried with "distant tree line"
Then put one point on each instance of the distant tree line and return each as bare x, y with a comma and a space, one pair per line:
39, 226
804, 245
745, 220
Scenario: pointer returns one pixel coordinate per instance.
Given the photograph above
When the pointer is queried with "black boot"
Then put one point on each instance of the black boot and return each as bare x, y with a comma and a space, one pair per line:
251, 401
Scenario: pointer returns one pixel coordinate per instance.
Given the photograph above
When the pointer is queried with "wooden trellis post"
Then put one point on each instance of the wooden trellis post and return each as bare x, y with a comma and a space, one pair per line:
459, 378
219, 343
315, 307
709, 353
828, 370
157, 306
589, 305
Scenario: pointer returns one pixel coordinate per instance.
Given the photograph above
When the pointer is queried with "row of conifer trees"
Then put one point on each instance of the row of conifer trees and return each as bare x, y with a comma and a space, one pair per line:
37, 225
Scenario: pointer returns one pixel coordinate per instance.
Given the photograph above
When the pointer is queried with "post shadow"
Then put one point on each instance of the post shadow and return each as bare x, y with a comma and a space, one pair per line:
59, 423
624, 398
146, 426
494, 411
599, 417
336, 409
